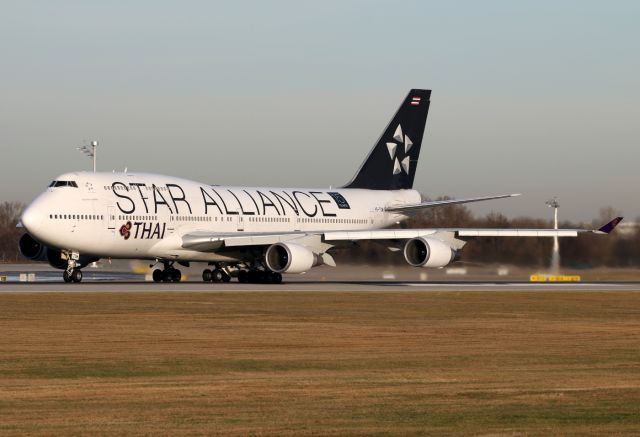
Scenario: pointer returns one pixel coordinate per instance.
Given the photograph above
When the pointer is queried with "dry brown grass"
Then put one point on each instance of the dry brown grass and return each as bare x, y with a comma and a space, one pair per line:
320, 363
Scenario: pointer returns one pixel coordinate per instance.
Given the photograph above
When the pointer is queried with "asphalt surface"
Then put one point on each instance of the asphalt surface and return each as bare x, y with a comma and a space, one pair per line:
33, 278
120, 285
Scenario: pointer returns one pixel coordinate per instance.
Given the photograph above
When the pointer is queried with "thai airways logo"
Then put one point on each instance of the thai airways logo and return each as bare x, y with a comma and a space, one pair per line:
400, 158
143, 230
125, 231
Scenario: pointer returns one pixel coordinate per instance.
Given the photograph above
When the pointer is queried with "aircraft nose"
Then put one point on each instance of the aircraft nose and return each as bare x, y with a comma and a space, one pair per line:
32, 218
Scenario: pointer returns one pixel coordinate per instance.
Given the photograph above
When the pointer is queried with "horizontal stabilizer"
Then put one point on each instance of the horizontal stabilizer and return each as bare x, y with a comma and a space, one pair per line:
433, 204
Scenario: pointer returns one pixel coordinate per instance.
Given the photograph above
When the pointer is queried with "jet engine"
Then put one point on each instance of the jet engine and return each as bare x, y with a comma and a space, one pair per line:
428, 252
32, 249
36, 251
290, 258
54, 257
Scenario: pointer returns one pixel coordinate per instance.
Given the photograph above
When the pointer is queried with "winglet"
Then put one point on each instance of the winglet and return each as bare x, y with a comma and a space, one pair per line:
606, 229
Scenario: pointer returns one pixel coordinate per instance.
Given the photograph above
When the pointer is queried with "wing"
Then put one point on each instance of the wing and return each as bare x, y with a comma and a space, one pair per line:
464, 233
435, 203
210, 241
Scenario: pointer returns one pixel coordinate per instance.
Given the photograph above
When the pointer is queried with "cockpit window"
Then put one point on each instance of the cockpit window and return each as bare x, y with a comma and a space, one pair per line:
56, 184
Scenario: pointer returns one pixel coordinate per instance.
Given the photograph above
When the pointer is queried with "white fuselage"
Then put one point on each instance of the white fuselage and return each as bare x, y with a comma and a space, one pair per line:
122, 215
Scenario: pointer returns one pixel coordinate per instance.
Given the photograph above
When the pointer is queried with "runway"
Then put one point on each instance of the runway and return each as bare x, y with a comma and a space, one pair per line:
36, 278
311, 287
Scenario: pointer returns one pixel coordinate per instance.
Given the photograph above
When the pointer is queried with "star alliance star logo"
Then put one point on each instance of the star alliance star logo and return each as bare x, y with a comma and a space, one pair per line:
400, 164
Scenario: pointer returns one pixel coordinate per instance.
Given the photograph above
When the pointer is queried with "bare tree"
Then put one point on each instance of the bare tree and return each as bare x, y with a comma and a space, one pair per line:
10, 213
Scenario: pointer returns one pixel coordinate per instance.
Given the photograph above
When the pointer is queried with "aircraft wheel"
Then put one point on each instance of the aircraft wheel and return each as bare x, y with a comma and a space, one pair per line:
167, 275
76, 275
225, 277
176, 275
258, 276
217, 275
157, 275
276, 278
207, 276
243, 276
66, 277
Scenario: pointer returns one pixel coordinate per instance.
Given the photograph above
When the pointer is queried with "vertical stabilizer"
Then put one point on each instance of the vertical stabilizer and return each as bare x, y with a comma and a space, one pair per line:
391, 164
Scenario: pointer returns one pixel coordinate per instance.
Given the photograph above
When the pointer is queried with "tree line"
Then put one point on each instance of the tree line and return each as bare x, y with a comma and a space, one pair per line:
589, 250
10, 213
586, 251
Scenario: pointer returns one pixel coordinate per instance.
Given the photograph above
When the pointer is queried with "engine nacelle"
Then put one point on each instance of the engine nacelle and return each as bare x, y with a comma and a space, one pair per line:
54, 257
428, 252
36, 251
290, 258
32, 249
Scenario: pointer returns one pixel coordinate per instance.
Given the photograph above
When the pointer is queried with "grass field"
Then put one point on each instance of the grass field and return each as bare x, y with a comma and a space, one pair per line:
320, 363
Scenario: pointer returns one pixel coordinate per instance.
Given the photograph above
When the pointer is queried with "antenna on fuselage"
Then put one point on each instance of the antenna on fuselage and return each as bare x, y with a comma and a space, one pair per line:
91, 151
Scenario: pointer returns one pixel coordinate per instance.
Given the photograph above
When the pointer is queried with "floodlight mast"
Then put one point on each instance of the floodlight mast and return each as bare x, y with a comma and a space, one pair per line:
90, 152
94, 150
555, 254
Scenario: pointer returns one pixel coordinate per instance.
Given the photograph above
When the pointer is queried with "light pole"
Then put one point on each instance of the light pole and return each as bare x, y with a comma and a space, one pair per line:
91, 152
555, 254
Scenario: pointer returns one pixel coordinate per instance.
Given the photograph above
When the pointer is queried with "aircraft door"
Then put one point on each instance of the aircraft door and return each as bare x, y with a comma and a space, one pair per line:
111, 217
240, 223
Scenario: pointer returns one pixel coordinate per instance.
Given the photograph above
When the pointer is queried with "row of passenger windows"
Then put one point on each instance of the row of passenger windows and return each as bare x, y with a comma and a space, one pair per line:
193, 218
137, 217
126, 188
270, 219
76, 217
333, 220
189, 218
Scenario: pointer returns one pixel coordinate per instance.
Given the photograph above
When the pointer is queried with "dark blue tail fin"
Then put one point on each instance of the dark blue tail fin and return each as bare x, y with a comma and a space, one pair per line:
391, 164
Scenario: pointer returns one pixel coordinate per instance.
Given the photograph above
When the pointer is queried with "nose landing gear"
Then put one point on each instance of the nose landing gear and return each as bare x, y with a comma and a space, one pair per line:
72, 273
74, 276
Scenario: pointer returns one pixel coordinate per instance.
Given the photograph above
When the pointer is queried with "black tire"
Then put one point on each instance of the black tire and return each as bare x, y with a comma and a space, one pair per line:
76, 275
262, 277
176, 275
225, 277
243, 276
66, 277
207, 276
217, 275
157, 275
276, 278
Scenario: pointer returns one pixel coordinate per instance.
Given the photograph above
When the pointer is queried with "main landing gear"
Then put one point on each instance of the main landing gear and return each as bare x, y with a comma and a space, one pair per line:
245, 274
257, 276
217, 274
168, 274
72, 273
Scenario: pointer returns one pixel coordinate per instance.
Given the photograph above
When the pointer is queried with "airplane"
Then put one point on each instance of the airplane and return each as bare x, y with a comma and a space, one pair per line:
254, 234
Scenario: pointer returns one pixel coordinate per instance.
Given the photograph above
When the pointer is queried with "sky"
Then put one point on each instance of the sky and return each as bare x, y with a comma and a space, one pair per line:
533, 97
